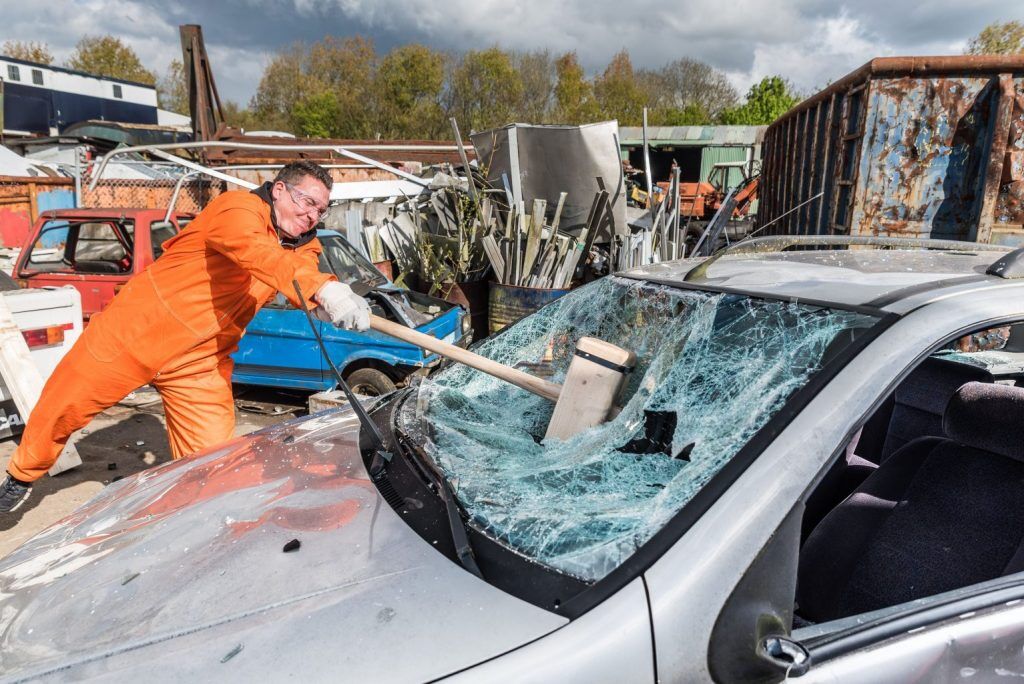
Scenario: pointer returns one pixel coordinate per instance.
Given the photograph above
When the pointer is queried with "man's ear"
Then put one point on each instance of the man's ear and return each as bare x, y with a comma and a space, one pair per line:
276, 189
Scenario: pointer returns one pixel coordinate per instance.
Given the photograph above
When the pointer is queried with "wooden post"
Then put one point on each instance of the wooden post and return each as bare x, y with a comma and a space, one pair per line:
23, 380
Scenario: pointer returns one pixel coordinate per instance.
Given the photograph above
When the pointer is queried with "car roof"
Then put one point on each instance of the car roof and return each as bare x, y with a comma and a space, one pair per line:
108, 212
846, 277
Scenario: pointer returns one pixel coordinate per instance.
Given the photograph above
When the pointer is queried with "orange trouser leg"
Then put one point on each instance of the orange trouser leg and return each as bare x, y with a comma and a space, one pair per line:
199, 407
80, 387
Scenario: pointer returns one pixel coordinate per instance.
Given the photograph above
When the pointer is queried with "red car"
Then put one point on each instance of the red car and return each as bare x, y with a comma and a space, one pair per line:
95, 250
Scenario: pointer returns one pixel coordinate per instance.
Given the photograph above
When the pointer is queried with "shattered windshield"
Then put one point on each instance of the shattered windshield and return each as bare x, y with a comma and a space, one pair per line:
711, 370
345, 262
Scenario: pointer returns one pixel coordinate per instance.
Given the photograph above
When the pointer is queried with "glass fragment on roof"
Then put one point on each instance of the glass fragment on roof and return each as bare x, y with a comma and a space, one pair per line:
712, 370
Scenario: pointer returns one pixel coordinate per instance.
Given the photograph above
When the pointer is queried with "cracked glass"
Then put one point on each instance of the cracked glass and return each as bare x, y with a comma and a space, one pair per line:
712, 369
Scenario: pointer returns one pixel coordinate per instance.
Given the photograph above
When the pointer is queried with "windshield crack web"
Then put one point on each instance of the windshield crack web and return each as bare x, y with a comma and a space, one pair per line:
712, 370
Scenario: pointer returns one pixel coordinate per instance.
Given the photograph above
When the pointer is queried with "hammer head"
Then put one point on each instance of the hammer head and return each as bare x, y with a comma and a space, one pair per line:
596, 376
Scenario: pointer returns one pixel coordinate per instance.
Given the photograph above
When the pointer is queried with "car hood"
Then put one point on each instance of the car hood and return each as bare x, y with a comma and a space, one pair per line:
181, 570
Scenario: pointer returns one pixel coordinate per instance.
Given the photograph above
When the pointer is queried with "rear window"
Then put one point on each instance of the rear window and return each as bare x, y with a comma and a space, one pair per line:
82, 247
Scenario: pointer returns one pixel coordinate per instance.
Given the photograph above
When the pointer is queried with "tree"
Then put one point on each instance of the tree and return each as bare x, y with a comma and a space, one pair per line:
618, 92
108, 56
281, 85
237, 117
172, 89
574, 94
30, 51
537, 75
407, 93
686, 85
316, 115
484, 90
766, 101
326, 88
346, 68
1006, 38
692, 114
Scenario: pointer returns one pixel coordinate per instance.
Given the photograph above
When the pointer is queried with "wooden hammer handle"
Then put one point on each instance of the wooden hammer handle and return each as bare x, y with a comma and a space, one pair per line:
530, 383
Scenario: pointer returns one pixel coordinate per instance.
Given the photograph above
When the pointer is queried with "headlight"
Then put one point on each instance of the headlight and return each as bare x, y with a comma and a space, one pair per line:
467, 324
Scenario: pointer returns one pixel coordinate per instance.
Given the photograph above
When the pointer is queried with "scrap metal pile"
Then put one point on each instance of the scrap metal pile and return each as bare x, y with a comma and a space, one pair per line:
460, 227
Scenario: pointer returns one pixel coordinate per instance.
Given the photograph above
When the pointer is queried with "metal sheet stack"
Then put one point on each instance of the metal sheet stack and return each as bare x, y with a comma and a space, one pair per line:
526, 250
657, 236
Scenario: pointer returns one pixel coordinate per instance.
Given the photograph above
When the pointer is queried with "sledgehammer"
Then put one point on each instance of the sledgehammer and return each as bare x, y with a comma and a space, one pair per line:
593, 382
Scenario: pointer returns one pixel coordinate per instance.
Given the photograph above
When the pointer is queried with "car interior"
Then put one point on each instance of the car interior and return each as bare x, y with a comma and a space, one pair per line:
928, 495
87, 247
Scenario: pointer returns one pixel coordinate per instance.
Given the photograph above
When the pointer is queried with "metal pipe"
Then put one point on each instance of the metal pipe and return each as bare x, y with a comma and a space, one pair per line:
647, 165
346, 151
174, 195
203, 169
78, 176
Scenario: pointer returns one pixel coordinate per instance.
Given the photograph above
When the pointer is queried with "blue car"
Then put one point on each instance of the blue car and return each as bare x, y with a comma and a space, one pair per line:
279, 349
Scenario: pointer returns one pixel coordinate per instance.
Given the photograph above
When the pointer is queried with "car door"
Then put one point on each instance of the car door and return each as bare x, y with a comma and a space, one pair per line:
279, 349
93, 255
964, 635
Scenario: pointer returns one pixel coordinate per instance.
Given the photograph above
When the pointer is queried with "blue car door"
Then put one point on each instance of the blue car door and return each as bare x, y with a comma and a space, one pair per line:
279, 349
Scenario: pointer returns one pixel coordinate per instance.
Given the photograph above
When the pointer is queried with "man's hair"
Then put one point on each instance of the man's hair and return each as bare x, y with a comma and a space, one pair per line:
295, 171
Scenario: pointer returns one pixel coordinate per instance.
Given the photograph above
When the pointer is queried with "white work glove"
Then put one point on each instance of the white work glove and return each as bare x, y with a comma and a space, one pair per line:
342, 307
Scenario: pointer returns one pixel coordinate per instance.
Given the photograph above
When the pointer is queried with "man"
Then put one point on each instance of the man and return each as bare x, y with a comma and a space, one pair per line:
176, 324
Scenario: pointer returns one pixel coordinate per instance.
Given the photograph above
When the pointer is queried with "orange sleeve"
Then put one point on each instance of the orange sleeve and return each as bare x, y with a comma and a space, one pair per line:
241, 235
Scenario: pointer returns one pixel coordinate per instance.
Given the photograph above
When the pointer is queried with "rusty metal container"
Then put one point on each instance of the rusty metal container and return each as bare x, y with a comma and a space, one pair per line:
471, 296
508, 303
903, 147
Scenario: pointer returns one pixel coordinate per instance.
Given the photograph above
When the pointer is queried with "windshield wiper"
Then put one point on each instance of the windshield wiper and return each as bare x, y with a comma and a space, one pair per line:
463, 548
381, 456
432, 476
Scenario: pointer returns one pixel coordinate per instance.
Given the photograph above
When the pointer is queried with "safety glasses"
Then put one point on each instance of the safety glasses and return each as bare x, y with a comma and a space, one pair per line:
306, 203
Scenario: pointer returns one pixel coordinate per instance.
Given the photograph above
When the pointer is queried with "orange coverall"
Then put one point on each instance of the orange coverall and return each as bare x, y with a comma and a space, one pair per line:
174, 326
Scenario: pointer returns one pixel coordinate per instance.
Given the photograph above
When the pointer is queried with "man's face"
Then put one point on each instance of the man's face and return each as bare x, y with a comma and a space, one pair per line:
299, 205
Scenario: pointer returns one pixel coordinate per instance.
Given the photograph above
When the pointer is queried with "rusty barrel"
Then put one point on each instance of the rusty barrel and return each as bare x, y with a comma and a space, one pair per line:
472, 296
509, 303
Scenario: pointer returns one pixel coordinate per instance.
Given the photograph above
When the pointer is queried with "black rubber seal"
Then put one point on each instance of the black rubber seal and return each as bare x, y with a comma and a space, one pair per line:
603, 362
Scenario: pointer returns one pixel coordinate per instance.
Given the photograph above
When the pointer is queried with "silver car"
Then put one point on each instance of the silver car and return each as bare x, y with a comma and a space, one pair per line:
817, 472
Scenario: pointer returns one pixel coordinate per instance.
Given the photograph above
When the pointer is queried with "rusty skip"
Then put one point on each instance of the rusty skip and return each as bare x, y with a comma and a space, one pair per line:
908, 147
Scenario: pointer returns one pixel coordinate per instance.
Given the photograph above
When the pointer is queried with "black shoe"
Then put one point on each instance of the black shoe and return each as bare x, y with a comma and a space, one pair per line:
13, 493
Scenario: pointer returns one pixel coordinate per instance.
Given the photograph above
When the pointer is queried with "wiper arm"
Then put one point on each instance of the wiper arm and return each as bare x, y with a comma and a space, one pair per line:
434, 478
381, 455
463, 548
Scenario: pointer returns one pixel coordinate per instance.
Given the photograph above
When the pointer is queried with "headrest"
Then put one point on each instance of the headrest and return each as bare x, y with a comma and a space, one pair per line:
987, 417
931, 384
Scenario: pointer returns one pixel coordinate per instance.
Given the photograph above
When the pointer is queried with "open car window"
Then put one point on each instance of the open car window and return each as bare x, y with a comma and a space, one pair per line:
82, 247
712, 370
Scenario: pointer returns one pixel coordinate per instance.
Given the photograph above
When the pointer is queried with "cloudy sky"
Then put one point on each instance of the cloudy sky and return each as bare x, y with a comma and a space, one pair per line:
811, 42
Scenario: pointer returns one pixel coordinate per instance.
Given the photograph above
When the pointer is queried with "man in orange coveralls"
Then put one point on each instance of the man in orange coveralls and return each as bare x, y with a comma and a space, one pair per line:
175, 324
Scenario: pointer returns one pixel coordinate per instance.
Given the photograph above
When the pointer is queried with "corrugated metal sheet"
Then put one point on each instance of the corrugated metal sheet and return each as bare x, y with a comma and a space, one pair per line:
717, 155
693, 135
917, 147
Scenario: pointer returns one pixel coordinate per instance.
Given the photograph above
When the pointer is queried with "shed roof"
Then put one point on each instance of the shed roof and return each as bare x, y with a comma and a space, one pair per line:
698, 136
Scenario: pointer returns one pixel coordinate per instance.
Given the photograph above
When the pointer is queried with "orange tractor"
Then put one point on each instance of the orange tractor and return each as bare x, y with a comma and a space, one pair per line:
699, 201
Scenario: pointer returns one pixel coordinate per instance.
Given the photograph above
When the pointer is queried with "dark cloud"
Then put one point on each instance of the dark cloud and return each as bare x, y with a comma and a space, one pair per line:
809, 41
